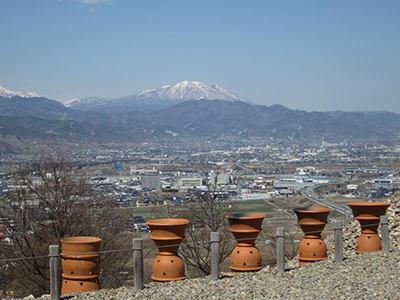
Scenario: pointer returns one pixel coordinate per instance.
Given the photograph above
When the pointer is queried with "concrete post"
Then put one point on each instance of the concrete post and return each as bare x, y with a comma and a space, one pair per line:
280, 249
338, 225
385, 234
215, 255
55, 272
138, 263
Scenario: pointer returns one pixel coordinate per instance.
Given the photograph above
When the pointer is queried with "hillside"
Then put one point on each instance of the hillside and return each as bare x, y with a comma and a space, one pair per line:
206, 119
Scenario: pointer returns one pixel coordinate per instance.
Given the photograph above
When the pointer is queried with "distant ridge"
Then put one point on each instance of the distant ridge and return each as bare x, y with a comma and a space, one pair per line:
156, 99
193, 119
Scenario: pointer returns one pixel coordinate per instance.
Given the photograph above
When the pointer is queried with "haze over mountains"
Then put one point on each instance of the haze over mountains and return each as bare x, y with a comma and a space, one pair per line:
188, 110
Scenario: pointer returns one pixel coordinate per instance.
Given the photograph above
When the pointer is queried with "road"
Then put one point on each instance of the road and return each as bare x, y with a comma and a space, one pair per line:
313, 196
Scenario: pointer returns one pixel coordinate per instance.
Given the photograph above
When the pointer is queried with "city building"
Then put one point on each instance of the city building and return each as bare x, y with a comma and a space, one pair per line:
150, 180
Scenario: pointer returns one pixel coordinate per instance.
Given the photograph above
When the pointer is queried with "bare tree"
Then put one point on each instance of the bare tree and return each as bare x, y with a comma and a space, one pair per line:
206, 215
47, 202
291, 247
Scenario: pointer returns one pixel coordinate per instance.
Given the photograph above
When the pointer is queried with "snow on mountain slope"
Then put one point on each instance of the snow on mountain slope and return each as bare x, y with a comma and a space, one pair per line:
95, 100
9, 94
183, 91
189, 90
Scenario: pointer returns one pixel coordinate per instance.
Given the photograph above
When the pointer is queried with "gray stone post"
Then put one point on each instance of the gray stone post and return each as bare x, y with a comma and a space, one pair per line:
280, 249
215, 255
385, 234
338, 225
138, 263
55, 272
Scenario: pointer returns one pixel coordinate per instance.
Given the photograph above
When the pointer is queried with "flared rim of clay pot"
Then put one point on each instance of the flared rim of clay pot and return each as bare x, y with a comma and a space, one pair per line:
155, 278
253, 269
366, 203
167, 222
248, 215
80, 240
313, 209
78, 257
80, 278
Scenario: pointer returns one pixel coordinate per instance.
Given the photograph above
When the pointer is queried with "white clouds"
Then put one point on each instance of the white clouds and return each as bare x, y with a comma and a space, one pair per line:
95, 1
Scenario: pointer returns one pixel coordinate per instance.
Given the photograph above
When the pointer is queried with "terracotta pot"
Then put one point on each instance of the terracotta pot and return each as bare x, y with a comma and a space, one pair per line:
82, 265
168, 234
312, 221
368, 215
71, 284
80, 271
1, 235
245, 227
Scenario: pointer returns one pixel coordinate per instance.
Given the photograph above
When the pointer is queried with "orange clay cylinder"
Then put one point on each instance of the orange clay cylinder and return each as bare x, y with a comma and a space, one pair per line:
312, 221
168, 234
80, 271
245, 227
368, 215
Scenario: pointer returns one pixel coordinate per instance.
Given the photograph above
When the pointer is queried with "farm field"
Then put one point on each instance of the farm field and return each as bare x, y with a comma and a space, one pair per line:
259, 205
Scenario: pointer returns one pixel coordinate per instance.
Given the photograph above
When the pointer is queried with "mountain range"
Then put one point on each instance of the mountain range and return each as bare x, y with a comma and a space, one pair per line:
156, 99
193, 111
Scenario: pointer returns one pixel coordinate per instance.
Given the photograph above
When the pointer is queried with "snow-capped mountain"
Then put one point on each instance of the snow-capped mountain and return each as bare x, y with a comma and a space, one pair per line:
156, 99
189, 90
9, 94
87, 100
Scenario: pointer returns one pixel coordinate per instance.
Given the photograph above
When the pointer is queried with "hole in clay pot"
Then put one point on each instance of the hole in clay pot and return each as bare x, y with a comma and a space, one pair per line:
180, 273
72, 272
81, 283
369, 237
320, 243
172, 261
244, 264
251, 252
238, 252
301, 253
65, 282
158, 260
164, 274
308, 244
314, 254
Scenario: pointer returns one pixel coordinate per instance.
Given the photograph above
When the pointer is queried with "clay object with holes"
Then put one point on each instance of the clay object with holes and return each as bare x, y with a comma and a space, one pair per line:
368, 215
312, 221
245, 227
80, 268
168, 234
1, 235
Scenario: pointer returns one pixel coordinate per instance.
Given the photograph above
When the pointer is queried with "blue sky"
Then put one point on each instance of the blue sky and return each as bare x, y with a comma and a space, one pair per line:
310, 55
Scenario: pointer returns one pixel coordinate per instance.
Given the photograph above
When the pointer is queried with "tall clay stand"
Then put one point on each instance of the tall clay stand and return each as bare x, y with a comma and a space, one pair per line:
80, 271
312, 221
168, 234
245, 227
368, 215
